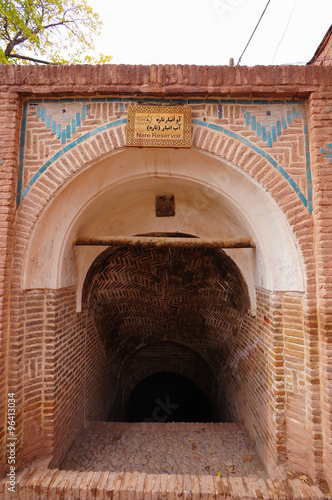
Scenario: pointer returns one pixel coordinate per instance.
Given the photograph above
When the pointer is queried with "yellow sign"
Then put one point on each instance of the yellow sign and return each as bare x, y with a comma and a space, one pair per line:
159, 126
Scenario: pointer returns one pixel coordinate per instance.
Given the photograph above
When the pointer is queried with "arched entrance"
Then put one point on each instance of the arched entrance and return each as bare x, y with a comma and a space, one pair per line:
218, 303
161, 298
167, 397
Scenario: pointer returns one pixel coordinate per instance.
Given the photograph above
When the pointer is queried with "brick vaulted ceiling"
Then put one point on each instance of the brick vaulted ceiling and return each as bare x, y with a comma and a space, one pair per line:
192, 296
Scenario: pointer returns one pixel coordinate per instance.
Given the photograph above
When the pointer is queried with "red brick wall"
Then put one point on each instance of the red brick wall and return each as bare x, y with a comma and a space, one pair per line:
254, 379
298, 443
288, 344
66, 377
269, 385
82, 382
320, 126
323, 54
164, 80
10, 117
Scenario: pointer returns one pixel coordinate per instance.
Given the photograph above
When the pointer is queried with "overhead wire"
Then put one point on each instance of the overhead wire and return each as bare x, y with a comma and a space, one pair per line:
281, 39
252, 34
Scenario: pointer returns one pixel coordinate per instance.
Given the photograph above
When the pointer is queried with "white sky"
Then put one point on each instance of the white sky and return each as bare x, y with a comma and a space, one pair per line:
211, 31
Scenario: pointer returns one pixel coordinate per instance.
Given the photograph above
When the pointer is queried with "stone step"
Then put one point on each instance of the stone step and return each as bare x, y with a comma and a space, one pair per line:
43, 483
39, 482
166, 448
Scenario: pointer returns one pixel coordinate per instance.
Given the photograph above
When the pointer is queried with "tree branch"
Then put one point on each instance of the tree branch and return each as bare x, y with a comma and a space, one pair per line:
9, 48
64, 22
24, 26
19, 38
15, 41
27, 58
5, 25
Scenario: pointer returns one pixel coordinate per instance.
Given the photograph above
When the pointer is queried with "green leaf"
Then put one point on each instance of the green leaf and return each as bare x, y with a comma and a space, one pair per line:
35, 30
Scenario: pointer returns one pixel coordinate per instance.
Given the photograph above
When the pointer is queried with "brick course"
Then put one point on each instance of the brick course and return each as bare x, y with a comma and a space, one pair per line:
80, 485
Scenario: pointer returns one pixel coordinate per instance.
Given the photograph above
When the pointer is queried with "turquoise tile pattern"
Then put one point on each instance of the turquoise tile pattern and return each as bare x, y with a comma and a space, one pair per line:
269, 120
258, 150
67, 148
327, 152
59, 121
265, 119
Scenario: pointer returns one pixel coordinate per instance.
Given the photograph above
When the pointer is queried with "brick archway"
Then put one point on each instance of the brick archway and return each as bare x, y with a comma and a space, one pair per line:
192, 297
159, 357
269, 125
41, 199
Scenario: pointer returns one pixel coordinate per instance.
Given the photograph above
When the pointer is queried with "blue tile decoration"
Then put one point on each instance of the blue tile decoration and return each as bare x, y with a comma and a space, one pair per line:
270, 118
267, 119
21, 155
306, 202
61, 119
278, 127
307, 164
264, 139
327, 152
63, 151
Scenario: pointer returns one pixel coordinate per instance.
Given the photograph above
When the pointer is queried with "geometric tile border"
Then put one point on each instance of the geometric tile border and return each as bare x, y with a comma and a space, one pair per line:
63, 134
63, 151
307, 202
327, 152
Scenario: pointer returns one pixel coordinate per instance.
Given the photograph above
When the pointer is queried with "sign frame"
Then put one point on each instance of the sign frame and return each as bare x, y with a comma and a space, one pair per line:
159, 126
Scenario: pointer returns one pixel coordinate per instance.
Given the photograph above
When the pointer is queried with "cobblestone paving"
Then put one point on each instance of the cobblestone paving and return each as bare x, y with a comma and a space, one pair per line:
221, 449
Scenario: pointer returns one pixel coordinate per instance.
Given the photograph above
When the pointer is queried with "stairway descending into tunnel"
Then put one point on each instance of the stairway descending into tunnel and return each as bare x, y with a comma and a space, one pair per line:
161, 461
221, 449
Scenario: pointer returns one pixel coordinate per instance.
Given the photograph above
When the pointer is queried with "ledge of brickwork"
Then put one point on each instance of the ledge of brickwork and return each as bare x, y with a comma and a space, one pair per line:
161, 80
44, 483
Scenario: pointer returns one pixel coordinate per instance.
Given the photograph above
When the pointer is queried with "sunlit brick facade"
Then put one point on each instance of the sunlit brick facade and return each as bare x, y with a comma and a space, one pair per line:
80, 326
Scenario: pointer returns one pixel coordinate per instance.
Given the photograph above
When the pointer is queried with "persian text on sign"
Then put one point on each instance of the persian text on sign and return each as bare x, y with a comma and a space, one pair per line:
159, 126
